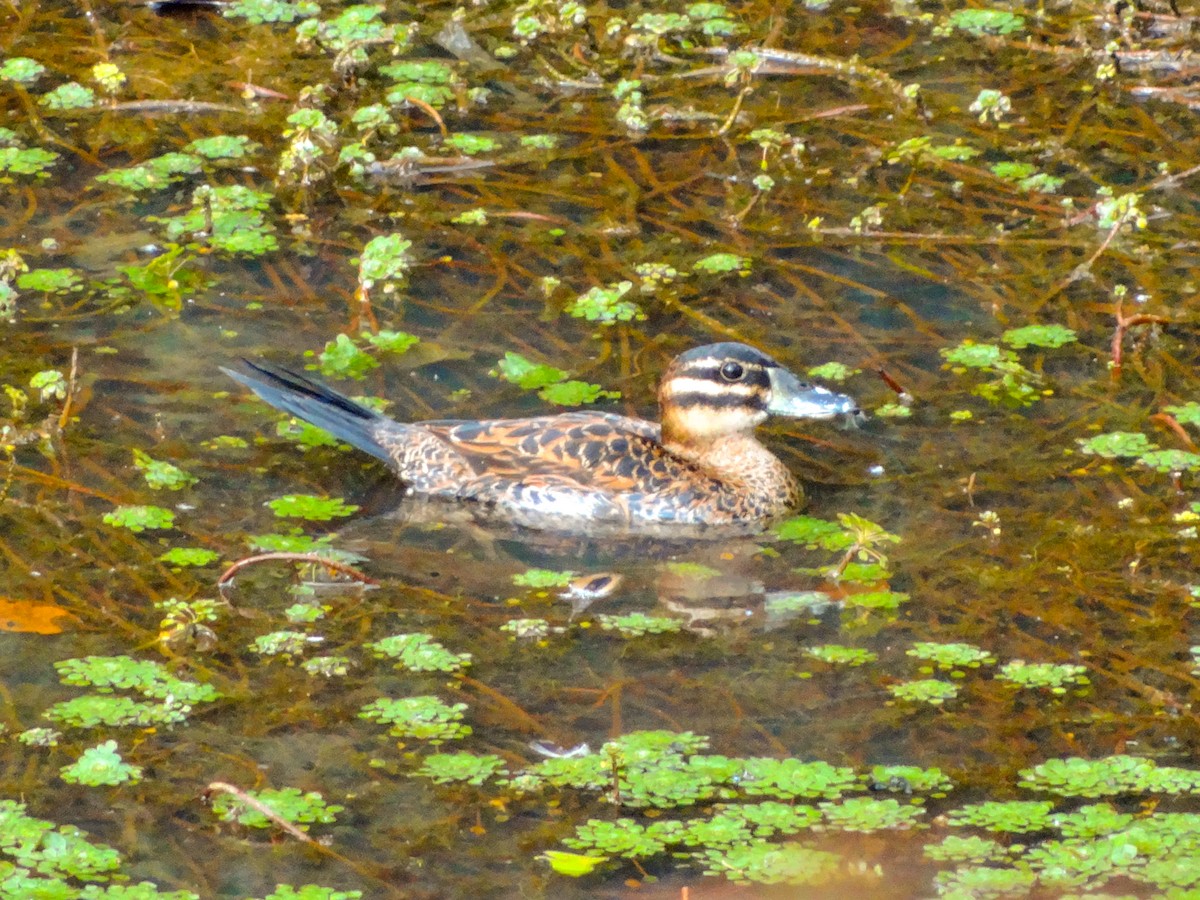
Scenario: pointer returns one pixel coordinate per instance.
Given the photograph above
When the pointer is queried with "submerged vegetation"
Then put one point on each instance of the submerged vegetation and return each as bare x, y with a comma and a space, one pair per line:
966, 671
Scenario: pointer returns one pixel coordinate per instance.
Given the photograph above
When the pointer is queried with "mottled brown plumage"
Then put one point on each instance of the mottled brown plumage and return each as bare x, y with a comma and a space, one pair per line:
701, 466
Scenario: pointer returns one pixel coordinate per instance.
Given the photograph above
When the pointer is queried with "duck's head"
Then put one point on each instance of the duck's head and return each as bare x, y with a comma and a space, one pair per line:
727, 389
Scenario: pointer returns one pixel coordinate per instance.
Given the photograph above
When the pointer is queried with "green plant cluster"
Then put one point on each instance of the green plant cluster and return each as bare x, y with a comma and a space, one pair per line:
175, 697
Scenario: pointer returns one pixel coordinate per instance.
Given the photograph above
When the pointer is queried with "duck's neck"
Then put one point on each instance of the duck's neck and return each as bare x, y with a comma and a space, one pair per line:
751, 471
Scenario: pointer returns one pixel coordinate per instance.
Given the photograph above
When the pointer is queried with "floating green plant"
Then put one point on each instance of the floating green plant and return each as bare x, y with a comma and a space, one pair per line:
1009, 817
464, 768
1111, 776
283, 643
1011, 384
550, 382
793, 864
327, 666
299, 808
867, 814
41, 854
837, 655
606, 305
68, 97
141, 519
933, 691
419, 653
1117, 445
16, 160
1055, 676
39, 737
543, 578
310, 507
161, 475
527, 629
985, 21
423, 718
153, 174
101, 766
951, 656
636, 624
230, 219
971, 848
21, 69
189, 556
723, 264
425, 81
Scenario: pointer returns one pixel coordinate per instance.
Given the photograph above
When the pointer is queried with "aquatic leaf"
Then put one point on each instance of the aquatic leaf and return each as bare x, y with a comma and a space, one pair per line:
812, 532
26, 160
1170, 460
51, 281
575, 865
543, 578
576, 393
391, 341
524, 373
189, 556
101, 766
161, 475
1039, 336
310, 507
633, 625
384, 260
32, 616
343, 358
291, 804
868, 814
471, 144
986, 21
140, 518
1187, 413
21, 69
419, 653
1055, 676
68, 97
1011, 817
1116, 444
933, 691
723, 263
424, 718
606, 306
464, 767
762, 863
951, 656
836, 655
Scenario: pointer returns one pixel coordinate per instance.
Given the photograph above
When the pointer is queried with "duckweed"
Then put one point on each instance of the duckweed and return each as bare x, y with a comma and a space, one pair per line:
419, 653
101, 766
423, 718
1056, 677
933, 691
467, 768
300, 808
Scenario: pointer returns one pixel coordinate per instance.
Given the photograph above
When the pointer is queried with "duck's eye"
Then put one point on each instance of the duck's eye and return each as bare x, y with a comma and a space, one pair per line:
732, 371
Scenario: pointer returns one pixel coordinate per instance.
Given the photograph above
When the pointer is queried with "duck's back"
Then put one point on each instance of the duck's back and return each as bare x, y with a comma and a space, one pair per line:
596, 466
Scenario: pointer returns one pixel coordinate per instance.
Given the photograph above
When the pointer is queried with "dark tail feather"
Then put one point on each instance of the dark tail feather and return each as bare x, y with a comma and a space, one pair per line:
315, 403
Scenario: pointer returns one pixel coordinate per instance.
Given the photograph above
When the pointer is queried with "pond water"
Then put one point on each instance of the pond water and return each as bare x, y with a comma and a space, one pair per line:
966, 669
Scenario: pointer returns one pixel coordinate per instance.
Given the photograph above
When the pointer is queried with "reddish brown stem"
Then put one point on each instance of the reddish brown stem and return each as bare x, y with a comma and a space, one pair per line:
332, 565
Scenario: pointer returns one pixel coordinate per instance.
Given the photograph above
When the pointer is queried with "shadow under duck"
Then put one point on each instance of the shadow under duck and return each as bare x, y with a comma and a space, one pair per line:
702, 466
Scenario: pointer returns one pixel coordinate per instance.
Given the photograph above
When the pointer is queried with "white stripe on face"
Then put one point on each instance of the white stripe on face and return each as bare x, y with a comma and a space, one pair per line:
682, 385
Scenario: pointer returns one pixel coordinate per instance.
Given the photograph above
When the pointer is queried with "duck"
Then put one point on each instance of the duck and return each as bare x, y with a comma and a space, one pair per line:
700, 465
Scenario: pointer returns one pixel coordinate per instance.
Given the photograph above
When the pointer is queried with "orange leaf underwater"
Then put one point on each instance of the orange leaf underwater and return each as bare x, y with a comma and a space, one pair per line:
31, 616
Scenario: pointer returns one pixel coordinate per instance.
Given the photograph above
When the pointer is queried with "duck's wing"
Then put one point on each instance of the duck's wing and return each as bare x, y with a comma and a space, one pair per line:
597, 451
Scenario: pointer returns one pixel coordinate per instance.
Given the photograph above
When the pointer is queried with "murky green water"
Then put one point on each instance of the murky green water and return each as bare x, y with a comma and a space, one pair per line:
865, 223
